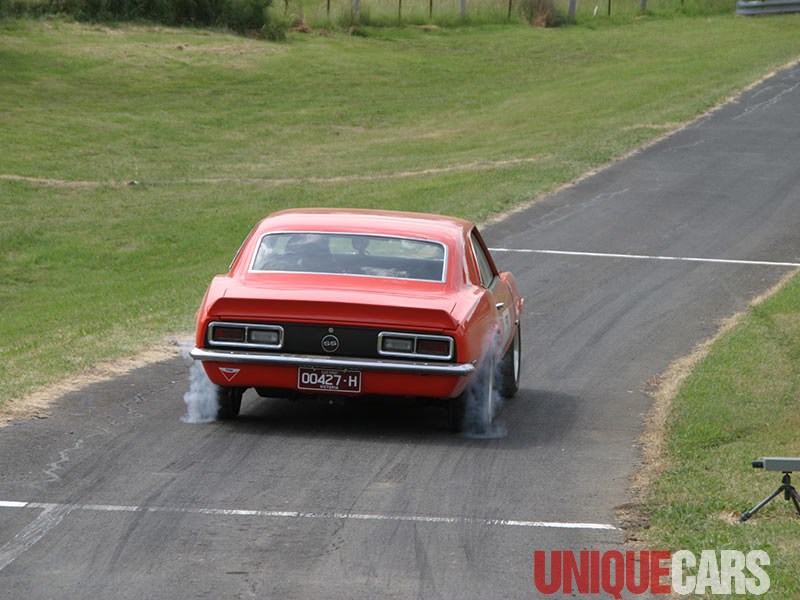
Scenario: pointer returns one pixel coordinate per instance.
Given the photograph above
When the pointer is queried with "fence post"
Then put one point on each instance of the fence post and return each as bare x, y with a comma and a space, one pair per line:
356, 12
571, 13
510, 2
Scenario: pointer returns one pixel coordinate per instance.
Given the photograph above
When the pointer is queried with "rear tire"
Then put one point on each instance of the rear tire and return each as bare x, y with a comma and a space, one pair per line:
511, 367
230, 402
456, 409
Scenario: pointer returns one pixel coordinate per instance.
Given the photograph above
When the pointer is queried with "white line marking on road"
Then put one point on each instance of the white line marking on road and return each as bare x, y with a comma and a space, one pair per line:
33, 532
763, 263
291, 514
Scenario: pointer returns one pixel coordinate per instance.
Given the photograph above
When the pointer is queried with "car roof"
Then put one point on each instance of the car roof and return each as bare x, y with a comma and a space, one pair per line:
386, 222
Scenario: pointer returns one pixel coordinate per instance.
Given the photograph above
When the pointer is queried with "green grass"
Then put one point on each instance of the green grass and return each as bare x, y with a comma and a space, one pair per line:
220, 130
739, 404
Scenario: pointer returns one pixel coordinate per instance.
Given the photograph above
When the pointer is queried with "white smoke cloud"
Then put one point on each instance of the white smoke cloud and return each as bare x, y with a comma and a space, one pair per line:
201, 399
478, 424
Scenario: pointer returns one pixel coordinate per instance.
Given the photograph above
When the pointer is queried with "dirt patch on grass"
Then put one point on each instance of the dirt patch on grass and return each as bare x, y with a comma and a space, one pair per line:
37, 404
60, 183
473, 166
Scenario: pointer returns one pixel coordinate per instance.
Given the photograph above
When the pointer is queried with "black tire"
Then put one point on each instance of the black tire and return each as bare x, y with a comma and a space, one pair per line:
456, 409
473, 410
511, 367
230, 402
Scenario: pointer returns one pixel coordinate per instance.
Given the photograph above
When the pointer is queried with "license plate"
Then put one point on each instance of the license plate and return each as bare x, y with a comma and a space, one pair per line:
329, 380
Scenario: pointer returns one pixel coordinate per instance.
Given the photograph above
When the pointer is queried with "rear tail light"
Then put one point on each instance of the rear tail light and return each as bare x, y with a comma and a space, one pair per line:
246, 335
398, 344
228, 335
269, 337
433, 347
412, 345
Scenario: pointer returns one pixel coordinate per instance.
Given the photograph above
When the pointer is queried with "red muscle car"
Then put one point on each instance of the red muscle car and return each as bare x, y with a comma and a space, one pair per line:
363, 302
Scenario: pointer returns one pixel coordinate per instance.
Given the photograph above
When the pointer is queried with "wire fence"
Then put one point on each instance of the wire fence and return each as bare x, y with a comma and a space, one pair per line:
386, 12
249, 15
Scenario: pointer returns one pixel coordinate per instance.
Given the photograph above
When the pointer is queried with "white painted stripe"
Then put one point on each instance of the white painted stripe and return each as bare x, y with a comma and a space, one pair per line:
33, 532
224, 512
764, 263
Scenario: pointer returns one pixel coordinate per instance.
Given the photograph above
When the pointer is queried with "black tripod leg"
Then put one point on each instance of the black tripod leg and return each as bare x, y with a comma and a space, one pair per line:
761, 505
795, 498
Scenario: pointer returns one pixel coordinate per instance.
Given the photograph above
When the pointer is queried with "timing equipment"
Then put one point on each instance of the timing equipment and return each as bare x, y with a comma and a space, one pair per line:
777, 463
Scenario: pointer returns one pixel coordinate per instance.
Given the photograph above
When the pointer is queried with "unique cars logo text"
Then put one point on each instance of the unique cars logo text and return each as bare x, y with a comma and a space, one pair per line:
650, 572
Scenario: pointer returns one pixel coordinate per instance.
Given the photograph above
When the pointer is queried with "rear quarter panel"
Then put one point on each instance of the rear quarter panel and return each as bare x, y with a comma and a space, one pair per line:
478, 325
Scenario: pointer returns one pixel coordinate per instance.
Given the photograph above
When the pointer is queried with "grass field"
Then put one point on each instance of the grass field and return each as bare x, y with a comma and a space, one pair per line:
739, 404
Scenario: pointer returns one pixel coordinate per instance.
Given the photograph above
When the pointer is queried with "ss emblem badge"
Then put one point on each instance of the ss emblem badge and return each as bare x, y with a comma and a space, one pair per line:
330, 343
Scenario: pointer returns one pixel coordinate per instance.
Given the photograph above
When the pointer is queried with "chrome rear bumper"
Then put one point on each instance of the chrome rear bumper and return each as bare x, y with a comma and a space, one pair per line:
338, 362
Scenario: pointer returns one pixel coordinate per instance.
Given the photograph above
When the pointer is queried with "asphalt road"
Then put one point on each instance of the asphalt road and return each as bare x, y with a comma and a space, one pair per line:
113, 496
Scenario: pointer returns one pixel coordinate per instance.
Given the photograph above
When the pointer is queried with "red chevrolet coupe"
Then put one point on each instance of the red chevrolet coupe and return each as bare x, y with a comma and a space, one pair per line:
363, 302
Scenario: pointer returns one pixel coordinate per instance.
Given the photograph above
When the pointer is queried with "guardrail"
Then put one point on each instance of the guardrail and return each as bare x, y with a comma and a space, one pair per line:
766, 7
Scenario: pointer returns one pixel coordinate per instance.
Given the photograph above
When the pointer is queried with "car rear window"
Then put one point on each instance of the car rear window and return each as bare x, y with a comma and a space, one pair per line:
352, 254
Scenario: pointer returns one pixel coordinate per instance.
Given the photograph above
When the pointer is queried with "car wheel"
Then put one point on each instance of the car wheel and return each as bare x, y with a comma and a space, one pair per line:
230, 402
511, 366
456, 408
473, 410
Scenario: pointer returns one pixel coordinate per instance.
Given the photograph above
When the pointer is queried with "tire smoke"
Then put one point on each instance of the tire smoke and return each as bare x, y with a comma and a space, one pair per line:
201, 399
477, 425
483, 402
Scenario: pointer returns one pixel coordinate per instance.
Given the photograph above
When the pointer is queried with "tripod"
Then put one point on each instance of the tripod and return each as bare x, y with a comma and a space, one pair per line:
789, 493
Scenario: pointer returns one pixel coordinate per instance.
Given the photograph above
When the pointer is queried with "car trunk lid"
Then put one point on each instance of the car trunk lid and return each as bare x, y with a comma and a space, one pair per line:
381, 307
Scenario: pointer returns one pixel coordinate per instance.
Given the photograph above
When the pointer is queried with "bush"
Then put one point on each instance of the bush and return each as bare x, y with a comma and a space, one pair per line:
203, 12
24, 8
242, 16
275, 27
541, 13
246, 15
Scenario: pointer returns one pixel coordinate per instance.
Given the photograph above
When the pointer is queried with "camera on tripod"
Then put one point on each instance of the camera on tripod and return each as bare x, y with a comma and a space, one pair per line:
778, 463
785, 465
